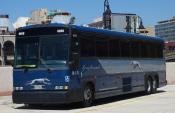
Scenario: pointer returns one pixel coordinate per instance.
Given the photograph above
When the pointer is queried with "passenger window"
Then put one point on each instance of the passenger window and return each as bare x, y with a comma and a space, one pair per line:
87, 47
135, 49
114, 48
125, 48
102, 48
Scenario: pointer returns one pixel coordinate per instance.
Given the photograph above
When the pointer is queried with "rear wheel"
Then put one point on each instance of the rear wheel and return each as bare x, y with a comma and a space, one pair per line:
87, 96
155, 85
149, 86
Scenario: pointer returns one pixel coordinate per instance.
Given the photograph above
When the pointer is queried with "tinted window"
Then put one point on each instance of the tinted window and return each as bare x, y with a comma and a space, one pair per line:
101, 48
125, 48
27, 52
152, 50
144, 50
135, 49
160, 51
87, 47
114, 48
54, 50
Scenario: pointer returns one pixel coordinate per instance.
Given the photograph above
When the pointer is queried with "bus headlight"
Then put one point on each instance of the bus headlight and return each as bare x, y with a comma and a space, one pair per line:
18, 88
61, 87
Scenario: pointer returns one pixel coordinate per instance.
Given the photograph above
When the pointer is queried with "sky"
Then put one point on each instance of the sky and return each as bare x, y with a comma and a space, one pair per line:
86, 11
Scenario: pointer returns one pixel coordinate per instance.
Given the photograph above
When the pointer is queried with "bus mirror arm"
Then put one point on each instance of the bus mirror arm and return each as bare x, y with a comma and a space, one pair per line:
49, 70
45, 65
26, 70
71, 62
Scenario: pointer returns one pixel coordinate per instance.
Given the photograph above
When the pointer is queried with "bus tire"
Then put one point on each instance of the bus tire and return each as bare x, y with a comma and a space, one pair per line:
155, 85
87, 96
148, 86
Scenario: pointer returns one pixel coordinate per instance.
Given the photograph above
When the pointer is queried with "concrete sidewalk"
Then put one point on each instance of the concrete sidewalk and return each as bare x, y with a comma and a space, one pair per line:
170, 72
6, 81
8, 93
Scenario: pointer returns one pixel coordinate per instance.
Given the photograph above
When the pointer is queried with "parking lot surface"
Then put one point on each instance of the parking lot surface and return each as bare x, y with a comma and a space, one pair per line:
161, 102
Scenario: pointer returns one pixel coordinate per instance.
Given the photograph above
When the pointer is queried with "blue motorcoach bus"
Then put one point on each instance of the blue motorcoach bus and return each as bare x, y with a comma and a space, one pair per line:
56, 64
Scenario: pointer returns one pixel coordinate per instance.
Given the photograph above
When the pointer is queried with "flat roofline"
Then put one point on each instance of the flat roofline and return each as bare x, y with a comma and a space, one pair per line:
165, 21
124, 13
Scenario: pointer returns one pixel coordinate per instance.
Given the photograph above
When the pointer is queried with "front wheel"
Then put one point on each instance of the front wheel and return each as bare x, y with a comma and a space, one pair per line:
87, 96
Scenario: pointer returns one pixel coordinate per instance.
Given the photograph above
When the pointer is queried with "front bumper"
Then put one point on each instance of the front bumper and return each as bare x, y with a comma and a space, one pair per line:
46, 97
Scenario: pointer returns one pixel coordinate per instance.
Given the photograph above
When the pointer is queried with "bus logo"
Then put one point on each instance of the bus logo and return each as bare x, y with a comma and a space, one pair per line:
67, 78
136, 64
43, 81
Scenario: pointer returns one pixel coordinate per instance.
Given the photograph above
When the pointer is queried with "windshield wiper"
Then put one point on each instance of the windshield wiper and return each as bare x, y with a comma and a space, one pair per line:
25, 66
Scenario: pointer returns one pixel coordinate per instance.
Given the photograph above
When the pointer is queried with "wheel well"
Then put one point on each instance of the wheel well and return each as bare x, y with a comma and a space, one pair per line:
152, 77
91, 84
148, 77
157, 79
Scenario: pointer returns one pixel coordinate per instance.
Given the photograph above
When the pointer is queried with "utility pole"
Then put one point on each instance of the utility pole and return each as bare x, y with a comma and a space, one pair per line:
141, 26
3, 49
107, 15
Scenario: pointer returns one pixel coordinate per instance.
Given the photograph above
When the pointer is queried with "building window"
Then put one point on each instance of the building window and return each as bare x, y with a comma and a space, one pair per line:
9, 48
9, 51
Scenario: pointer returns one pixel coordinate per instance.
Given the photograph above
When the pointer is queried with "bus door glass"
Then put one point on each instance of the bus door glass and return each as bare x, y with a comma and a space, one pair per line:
75, 52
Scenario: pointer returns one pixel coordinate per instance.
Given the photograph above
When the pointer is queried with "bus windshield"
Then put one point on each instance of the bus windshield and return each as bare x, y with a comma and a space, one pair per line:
50, 51
54, 50
27, 52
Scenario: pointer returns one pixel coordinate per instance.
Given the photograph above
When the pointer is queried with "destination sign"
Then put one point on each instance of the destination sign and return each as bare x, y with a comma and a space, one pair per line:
41, 31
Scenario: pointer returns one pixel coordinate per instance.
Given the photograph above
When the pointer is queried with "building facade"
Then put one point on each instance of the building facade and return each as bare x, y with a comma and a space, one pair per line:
148, 31
166, 30
7, 41
121, 22
42, 16
38, 17
7, 44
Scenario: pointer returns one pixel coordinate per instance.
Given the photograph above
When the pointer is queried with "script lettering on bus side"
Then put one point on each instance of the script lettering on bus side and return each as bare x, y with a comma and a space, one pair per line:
88, 68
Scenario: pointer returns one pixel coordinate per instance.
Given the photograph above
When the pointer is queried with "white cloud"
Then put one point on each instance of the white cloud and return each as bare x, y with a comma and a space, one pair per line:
21, 22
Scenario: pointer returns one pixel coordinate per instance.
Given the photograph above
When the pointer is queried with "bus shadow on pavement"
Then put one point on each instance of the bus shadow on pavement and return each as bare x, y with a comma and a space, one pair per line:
98, 102
123, 97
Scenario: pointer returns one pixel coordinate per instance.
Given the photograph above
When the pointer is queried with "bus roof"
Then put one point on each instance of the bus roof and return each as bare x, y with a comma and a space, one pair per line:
95, 30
